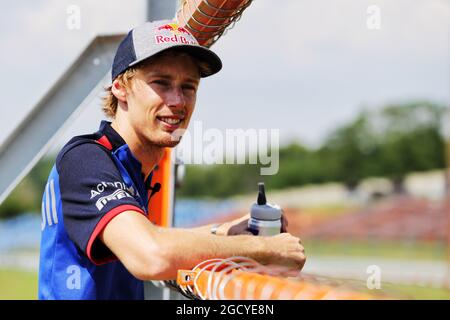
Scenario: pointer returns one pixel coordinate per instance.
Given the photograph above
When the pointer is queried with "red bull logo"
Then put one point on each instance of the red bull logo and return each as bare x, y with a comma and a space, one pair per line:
175, 28
183, 30
180, 34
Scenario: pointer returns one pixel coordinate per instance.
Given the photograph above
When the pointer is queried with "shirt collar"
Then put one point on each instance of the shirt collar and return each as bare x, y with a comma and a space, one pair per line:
116, 142
113, 136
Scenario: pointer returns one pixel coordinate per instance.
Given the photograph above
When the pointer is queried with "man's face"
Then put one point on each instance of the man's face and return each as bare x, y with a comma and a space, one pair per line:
162, 97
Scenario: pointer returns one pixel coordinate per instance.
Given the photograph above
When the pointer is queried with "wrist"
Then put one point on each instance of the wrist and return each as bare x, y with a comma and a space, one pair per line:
261, 249
215, 228
220, 229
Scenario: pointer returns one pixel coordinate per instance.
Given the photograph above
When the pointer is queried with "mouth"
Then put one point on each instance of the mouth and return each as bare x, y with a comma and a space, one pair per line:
170, 122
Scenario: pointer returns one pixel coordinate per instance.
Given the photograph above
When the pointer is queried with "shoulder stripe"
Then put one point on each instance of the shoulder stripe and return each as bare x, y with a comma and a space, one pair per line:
47, 204
43, 215
53, 198
105, 142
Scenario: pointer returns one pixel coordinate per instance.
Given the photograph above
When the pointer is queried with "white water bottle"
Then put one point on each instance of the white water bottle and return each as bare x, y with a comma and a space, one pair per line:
265, 218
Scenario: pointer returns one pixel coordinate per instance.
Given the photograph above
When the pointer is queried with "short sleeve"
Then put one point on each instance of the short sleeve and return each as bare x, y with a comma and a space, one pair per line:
92, 194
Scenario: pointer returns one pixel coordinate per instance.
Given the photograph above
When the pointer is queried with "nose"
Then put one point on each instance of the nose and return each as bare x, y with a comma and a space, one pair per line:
176, 99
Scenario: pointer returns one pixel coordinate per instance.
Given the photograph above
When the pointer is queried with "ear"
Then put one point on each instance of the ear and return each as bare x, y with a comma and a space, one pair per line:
119, 91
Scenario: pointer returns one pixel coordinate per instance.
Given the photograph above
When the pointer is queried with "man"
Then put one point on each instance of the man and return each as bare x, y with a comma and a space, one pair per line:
97, 242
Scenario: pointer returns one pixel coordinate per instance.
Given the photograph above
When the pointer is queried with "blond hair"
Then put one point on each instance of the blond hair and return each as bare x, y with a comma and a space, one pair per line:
110, 101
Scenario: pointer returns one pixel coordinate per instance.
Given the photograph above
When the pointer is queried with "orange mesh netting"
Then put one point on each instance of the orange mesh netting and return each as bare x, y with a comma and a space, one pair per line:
240, 278
208, 20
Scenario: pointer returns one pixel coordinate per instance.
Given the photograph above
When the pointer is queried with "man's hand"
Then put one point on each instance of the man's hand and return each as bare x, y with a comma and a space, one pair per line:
240, 226
284, 249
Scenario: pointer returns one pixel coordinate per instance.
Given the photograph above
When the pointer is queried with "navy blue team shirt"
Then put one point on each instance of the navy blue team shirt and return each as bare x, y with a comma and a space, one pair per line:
94, 179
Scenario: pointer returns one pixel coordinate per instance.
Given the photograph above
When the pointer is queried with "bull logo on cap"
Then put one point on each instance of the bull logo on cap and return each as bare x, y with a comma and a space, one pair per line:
175, 28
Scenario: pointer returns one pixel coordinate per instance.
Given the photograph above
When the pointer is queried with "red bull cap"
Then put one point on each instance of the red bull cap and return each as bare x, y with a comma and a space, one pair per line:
154, 37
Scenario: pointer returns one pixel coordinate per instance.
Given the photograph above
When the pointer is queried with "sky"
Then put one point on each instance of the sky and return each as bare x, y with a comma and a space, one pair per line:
301, 66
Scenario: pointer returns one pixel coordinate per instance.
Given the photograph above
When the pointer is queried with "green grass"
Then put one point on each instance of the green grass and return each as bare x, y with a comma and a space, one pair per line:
394, 291
415, 292
388, 250
394, 250
18, 285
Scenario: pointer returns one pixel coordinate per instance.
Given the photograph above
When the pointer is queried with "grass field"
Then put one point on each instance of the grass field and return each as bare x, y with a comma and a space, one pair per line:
388, 250
416, 292
18, 285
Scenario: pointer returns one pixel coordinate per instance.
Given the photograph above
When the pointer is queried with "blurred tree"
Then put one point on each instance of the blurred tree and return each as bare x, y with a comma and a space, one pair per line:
22, 199
352, 151
219, 181
412, 140
27, 196
391, 142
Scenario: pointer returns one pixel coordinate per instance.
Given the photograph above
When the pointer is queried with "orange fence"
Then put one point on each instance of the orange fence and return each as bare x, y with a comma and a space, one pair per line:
240, 278
208, 20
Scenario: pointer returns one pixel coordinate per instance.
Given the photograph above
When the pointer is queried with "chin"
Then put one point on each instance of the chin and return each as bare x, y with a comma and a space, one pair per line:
171, 144
167, 143
163, 138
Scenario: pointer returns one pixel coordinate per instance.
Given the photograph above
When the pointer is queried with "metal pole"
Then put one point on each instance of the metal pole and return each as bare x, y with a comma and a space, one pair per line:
33, 137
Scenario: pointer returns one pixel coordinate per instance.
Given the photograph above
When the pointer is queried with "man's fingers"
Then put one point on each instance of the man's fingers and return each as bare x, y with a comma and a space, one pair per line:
284, 223
240, 229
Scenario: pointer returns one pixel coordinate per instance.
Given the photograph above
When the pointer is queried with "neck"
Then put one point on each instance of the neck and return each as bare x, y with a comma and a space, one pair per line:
148, 155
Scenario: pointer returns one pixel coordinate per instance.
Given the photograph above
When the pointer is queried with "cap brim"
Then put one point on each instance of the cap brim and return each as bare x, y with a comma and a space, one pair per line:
209, 58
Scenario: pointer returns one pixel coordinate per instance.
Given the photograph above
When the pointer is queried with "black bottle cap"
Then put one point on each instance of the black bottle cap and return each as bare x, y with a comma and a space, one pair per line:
261, 194
261, 210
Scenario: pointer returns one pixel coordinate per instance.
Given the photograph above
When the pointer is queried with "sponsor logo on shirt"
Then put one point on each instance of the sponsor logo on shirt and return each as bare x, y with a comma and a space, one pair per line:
101, 187
116, 195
